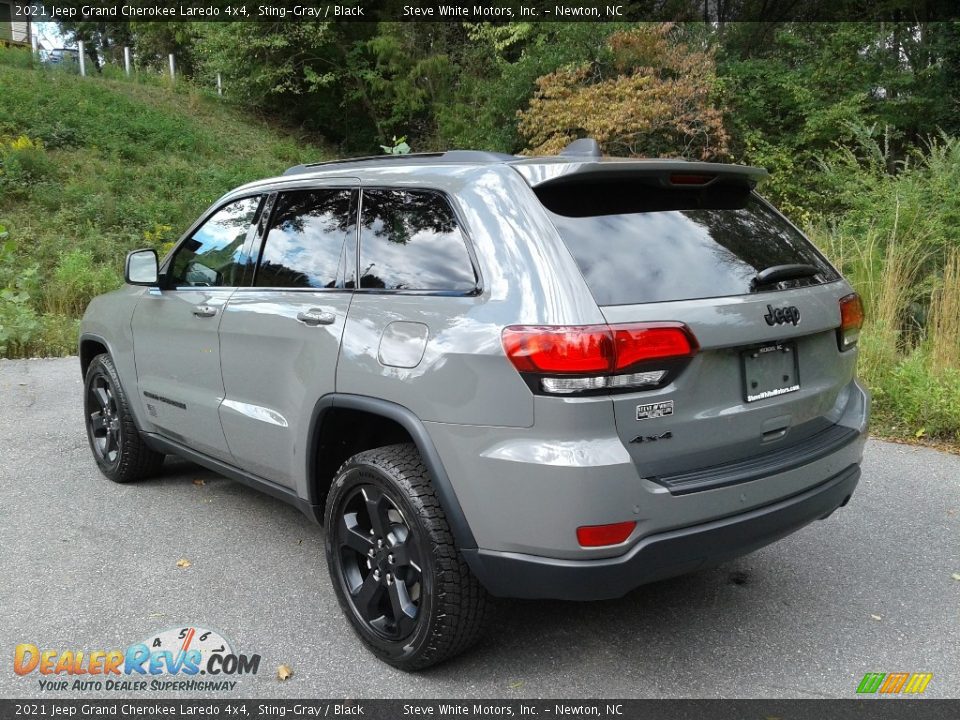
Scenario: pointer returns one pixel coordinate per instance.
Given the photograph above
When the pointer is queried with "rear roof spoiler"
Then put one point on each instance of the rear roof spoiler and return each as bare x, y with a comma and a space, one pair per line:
558, 171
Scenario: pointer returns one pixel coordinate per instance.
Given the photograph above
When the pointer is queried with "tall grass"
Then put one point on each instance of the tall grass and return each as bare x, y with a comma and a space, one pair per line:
944, 325
898, 242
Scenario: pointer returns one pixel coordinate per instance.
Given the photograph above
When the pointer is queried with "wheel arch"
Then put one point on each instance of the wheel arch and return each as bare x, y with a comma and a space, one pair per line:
90, 346
324, 426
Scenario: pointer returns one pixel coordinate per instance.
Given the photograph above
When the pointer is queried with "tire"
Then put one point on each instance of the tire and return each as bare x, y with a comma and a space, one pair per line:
383, 522
114, 440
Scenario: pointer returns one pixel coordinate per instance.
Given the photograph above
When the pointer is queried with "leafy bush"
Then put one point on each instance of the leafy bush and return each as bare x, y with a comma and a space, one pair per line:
19, 324
23, 163
919, 399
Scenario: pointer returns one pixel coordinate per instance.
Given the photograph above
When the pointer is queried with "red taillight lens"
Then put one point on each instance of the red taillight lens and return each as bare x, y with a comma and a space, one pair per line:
559, 350
571, 350
651, 341
599, 535
851, 320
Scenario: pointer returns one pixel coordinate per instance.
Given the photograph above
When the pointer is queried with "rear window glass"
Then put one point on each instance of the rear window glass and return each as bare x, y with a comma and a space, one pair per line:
646, 244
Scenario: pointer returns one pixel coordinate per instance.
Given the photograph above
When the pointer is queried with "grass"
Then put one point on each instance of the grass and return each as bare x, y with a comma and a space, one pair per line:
898, 244
93, 167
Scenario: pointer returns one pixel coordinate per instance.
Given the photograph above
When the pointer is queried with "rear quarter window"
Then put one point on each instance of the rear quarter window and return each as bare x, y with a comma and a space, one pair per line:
639, 243
411, 240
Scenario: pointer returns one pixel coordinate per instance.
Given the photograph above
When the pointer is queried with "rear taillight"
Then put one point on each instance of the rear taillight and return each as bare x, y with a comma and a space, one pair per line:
851, 320
585, 358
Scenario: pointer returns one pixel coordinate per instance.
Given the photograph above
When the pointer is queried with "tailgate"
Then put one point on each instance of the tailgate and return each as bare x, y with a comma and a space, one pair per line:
752, 389
692, 243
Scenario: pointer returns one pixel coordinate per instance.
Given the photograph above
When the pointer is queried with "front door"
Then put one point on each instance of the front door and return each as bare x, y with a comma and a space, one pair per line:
176, 346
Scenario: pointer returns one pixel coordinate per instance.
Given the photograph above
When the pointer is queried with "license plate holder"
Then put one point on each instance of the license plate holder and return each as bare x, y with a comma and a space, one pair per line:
770, 371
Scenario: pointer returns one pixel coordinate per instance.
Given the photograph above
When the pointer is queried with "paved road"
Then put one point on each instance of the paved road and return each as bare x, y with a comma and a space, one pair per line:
85, 563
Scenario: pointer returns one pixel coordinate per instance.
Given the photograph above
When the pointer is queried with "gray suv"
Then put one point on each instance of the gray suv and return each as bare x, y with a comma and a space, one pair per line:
488, 375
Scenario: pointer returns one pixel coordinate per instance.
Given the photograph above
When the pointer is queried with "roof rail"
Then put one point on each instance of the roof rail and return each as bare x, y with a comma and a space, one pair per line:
474, 156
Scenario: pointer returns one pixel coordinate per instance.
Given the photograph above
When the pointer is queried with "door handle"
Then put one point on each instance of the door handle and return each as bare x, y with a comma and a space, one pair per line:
315, 316
204, 311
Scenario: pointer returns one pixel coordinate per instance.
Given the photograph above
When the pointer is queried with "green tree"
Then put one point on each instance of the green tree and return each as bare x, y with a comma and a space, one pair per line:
654, 96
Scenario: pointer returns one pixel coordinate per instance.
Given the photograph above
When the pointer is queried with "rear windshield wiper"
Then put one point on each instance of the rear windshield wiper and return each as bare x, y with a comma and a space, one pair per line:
779, 273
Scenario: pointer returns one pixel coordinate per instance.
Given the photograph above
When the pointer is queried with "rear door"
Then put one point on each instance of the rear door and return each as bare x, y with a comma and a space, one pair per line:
769, 371
176, 347
280, 337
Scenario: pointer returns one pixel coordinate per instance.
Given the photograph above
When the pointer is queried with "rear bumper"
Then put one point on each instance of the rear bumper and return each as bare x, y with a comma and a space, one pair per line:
660, 555
523, 491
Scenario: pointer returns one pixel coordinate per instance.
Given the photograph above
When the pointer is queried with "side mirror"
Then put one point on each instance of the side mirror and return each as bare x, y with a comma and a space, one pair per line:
141, 268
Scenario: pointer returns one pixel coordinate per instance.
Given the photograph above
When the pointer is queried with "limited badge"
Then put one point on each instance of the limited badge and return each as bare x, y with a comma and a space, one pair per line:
655, 410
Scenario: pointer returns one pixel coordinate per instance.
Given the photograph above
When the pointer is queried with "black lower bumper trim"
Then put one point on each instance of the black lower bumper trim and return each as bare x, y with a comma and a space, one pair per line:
662, 555
778, 461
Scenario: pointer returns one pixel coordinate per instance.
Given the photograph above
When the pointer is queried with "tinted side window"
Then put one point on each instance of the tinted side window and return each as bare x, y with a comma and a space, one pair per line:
410, 240
305, 245
213, 256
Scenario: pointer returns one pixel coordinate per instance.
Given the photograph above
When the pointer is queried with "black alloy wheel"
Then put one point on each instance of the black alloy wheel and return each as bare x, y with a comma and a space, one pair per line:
103, 420
398, 574
379, 562
116, 443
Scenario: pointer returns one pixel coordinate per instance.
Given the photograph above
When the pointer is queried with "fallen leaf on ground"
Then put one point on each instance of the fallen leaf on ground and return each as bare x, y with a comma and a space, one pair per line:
199, 482
877, 617
183, 563
284, 672
956, 576
516, 685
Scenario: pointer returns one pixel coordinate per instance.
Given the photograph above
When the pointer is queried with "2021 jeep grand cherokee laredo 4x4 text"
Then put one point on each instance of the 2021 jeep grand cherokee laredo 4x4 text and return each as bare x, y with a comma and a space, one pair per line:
555, 377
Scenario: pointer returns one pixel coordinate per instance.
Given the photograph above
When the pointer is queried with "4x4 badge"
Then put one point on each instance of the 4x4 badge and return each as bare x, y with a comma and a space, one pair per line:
655, 410
652, 438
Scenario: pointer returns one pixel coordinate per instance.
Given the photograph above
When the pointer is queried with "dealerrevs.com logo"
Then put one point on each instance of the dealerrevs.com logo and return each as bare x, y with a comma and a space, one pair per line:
184, 658
894, 683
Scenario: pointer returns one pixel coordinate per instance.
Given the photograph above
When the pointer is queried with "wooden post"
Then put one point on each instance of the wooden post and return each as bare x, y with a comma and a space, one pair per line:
126, 60
172, 70
219, 86
83, 62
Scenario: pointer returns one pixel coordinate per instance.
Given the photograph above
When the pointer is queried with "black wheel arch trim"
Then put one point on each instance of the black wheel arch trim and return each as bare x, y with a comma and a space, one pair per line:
428, 452
99, 339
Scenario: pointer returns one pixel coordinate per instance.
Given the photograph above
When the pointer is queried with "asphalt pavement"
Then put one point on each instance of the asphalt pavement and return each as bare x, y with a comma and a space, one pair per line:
88, 564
